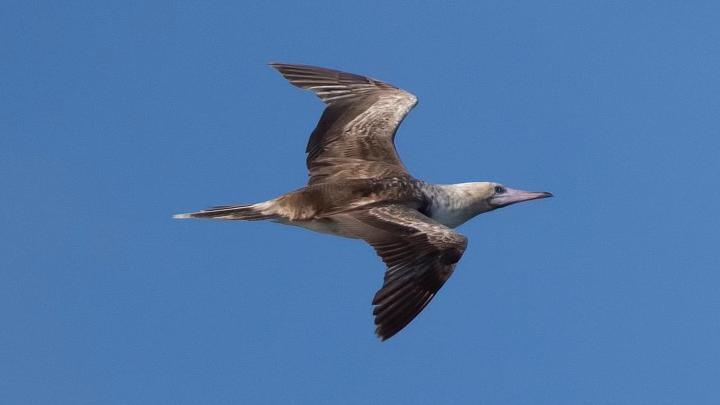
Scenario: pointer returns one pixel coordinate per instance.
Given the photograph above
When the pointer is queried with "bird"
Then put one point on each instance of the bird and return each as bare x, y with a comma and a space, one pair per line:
359, 188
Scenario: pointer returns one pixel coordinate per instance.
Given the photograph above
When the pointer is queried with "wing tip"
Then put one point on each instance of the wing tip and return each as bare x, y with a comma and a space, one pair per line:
345, 84
384, 335
280, 66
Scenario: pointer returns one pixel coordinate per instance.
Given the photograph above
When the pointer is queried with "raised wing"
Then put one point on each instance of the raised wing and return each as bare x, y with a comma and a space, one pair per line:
354, 138
420, 255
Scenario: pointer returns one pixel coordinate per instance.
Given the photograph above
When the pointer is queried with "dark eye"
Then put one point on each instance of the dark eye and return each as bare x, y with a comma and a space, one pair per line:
499, 189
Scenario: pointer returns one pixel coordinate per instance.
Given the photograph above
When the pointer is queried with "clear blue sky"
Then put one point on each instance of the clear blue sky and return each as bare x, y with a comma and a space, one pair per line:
114, 117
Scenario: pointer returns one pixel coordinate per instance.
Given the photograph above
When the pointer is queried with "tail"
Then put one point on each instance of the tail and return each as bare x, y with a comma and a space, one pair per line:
251, 212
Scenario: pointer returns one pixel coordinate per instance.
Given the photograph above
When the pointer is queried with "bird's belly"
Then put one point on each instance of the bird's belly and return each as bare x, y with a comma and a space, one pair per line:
324, 225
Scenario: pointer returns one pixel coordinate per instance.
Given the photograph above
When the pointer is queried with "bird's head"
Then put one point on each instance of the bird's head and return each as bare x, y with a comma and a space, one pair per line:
487, 196
467, 200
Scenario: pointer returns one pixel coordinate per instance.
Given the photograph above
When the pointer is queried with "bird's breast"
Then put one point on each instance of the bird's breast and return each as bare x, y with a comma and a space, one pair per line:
449, 209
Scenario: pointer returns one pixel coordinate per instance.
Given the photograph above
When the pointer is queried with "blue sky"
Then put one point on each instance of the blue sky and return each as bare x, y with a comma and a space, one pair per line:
113, 117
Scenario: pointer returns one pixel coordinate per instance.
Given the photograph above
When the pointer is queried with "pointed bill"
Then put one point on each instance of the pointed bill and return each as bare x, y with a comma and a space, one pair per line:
513, 196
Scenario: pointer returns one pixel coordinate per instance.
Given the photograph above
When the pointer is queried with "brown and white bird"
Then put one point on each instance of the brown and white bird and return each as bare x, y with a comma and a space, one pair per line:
359, 188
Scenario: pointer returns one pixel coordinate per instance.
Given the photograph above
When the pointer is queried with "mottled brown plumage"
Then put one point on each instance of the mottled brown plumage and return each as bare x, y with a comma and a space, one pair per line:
420, 255
359, 188
354, 138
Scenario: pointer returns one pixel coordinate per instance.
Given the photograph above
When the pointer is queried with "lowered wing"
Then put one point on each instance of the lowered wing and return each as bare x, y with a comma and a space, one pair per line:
420, 255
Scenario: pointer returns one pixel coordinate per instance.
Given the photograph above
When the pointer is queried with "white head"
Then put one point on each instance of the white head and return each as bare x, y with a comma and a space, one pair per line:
467, 200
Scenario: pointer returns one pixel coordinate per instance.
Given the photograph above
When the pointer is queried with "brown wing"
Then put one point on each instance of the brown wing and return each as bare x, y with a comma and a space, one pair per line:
354, 138
420, 255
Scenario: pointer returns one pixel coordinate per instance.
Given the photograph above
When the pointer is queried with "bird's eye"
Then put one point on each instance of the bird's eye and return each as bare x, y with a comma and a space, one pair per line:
499, 189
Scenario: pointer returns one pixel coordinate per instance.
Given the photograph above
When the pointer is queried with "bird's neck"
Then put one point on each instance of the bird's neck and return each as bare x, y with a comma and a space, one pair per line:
454, 204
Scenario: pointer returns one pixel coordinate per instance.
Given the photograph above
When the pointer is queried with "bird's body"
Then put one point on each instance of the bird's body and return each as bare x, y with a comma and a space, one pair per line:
315, 207
359, 188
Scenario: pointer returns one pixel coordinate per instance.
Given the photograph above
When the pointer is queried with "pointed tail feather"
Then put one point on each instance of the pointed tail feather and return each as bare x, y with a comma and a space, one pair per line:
251, 212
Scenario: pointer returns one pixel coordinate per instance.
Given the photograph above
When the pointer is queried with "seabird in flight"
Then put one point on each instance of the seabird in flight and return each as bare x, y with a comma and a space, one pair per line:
359, 188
